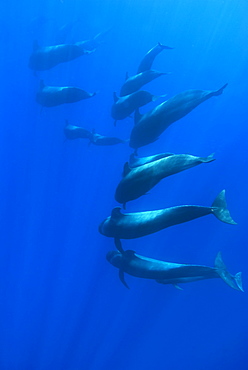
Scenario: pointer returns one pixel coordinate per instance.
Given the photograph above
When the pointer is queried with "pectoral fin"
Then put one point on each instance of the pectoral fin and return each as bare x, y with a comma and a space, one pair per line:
118, 245
122, 279
177, 287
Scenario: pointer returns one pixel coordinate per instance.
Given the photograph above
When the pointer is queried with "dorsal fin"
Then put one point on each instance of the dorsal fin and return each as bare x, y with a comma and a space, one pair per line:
126, 76
164, 46
116, 213
115, 97
137, 116
129, 253
122, 279
126, 169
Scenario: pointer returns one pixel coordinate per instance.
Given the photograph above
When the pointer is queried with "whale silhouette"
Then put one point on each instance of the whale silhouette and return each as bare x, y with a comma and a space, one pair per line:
149, 126
135, 225
50, 96
170, 273
138, 181
134, 83
147, 61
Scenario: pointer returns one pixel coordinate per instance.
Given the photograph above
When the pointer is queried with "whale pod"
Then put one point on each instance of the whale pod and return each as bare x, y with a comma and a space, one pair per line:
138, 181
149, 126
170, 273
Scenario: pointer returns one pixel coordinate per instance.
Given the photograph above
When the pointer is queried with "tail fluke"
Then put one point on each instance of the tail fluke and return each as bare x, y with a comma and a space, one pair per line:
164, 46
208, 159
219, 208
220, 91
235, 281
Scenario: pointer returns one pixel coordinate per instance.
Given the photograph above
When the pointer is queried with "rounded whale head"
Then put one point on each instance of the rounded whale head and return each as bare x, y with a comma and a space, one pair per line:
114, 257
101, 227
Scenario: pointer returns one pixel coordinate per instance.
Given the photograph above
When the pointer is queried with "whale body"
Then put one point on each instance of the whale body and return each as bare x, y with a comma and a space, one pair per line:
135, 161
135, 225
147, 61
151, 125
101, 140
74, 132
170, 273
44, 58
124, 106
50, 96
138, 181
134, 83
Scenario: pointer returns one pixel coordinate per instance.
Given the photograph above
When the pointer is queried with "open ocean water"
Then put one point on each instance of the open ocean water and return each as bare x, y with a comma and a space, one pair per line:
62, 305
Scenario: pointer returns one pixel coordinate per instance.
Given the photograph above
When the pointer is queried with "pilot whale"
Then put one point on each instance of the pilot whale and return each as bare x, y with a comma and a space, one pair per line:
124, 106
135, 225
149, 126
101, 140
74, 132
50, 96
134, 83
44, 58
138, 181
170, 273
147, 61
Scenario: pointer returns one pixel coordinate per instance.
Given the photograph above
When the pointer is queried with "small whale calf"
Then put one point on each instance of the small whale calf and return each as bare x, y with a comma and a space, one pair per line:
50, 96
124, 106
147, 61
170, 273
149, 126
44, 58
134, 83
74, 132
135, 225
138, 181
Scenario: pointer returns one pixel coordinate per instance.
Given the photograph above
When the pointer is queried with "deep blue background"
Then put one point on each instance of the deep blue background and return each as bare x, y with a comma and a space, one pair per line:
62, 305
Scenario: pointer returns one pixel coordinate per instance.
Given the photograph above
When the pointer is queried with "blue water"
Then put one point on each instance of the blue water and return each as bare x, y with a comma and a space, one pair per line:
62, 304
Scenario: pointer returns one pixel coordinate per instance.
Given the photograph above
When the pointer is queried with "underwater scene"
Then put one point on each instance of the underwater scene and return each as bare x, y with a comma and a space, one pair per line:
123, 185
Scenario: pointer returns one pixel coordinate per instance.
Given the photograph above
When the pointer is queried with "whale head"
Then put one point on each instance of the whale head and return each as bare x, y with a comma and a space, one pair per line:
115, 258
